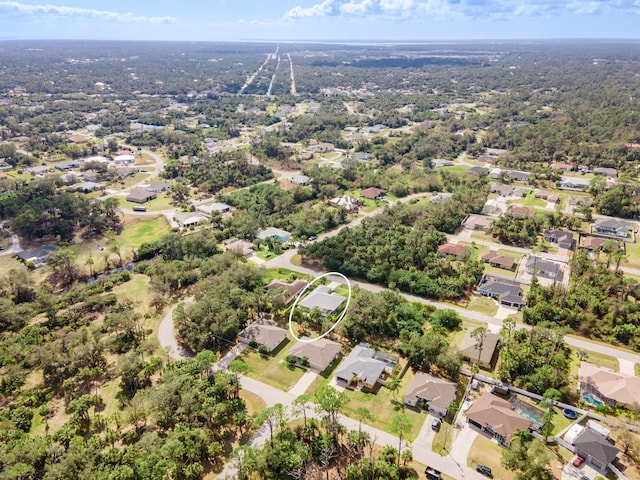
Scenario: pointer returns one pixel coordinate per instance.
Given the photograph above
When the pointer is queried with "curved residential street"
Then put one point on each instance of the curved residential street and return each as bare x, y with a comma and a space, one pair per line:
421, 451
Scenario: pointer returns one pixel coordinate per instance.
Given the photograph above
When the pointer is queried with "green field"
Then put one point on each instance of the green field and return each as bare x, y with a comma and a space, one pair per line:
139, 231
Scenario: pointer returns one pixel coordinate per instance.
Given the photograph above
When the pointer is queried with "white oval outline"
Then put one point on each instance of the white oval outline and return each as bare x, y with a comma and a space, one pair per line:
295, 303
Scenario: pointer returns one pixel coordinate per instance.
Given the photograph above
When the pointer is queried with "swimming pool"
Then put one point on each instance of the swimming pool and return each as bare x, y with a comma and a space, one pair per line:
592, 400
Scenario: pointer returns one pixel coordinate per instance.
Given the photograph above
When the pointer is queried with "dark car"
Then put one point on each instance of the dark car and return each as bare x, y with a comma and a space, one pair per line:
483, 469
435, 425
432, 473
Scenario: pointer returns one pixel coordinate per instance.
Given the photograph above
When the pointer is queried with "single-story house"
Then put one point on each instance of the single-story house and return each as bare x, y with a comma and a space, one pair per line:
518, 211
487, 159
613, 226
498, 260
432, 393
300, 180
365, 367
75, 139
607, 172
507, 292
493, 415
4, 166
478, 222
323, 299
542, 267
554, 198
320, 354
480, 171
240, 245
612, 388
363, 156
542, 194
574, 183
496, 173
38, 255
520, 192
38, 170
95, 158
517, 175
496, 151
278, 234
289, 291
158, 187
456, 250
372, 193
492, 207
190, 219
124, 159
596, 449
215, 208
560, 237
501, 189
87, 187
488, 354
140, 195
441, 162
581, 201
592, 243
66, 165
350, 204
263, 332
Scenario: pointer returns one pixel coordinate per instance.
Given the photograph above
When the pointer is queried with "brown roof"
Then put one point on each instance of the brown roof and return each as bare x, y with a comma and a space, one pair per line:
491, 256
520, 211
320, 353
76, 139
453, 249
624, 389
290, 290
493, 411
594, 242
469, 350
437, 392
264, 333
371, 192
243, 245
479, 220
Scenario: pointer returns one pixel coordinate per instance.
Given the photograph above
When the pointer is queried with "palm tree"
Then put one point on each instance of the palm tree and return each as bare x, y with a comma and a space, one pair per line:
393, 384
479, 335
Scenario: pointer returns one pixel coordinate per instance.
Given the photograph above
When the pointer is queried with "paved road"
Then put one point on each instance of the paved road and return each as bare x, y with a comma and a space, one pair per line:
494, 323
272, 395
15, 246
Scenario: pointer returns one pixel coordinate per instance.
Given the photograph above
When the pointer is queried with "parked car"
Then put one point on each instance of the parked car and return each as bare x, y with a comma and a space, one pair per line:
578, 461
484, 470
432, 473
435, 425
584, 477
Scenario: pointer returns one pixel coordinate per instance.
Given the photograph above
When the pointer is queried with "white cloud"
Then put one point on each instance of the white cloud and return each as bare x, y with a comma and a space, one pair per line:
60, 10
478, 9
318, 10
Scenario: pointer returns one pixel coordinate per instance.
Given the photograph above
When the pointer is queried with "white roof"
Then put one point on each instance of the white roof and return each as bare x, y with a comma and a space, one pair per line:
573, 433
124, 158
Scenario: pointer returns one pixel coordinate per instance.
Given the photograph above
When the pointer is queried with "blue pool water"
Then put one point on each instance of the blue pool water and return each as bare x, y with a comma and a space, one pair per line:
592, 400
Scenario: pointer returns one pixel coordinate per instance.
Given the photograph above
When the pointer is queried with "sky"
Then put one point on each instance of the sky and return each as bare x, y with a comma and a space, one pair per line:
318, 20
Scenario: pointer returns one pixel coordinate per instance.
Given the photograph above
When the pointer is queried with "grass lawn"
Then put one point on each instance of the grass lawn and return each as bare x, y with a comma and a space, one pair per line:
163, 202
483, 305
108, 394
485, 237
530, 201
633, 253
264, 253
637, 369
443, 439
273, 371
487, 452
254, 403
456, 337
139, 230
599, 359
136, 289
380, 404
457, 169
499, 271
560, 422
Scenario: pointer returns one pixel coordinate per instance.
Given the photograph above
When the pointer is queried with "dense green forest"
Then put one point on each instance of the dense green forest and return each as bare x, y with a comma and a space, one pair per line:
398, 248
